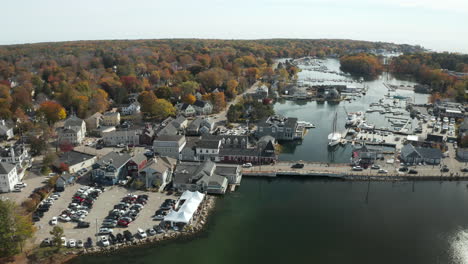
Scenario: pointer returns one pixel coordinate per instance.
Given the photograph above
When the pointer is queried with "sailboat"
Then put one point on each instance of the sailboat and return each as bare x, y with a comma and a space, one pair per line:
334, 137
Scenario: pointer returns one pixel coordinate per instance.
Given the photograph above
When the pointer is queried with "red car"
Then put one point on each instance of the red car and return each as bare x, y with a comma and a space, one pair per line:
123, 223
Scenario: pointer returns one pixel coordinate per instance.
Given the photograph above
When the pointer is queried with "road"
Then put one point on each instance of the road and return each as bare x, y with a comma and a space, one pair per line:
221, 116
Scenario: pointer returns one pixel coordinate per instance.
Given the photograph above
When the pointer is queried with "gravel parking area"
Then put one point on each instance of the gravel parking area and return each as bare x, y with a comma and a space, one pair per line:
104, 203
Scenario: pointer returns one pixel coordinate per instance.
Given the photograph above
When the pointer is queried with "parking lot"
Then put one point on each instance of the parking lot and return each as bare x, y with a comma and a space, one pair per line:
103, 204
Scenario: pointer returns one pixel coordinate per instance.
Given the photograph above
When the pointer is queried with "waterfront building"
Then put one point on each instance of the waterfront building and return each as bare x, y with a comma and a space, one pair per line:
158, 172
281, 128
6, 131
415, 155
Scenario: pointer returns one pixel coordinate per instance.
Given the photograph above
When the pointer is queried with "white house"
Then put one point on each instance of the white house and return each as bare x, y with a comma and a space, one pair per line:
73, 131
6, 131
75, 160
131, 109
157, 172
8, 177
111, 119
126, 137
17, 154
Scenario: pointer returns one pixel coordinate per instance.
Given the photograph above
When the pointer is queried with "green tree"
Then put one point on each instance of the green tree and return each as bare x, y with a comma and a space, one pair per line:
162, 109
14, 230
189, 87
57, 234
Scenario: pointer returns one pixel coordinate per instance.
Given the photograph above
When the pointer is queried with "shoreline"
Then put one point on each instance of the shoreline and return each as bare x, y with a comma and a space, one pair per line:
198, 227
375, 178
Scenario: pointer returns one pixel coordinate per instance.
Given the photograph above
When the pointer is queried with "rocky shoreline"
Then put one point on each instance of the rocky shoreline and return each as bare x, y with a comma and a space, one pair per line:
200, 220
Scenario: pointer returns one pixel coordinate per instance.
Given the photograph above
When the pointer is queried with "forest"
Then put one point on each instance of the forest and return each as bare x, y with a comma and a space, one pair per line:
47, 80
363, 65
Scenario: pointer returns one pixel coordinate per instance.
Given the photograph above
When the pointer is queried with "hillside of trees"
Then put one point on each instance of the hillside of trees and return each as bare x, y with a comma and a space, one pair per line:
361, 65
428, 68
90, 76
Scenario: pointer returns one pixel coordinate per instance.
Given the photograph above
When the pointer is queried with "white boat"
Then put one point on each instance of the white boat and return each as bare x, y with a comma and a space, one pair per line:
306, 124
334, 137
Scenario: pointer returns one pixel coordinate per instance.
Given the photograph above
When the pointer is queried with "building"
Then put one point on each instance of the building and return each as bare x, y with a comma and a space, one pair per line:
158, 172
170, 146
111, 168
199, 177
147, 136
208, 150
462, 154
125, 137
93, 121
188, 153
202, 107
17, 154
186, 109
111, 119
136, 163
263, 153
63, 181
415, 155
230, 141
365, 157
73, 131
8, 177
180, 122
75, 161
131, 109
200, 126
281, 128
6, 131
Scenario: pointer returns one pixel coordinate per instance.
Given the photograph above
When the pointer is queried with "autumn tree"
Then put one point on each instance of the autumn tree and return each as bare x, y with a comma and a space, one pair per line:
365, 65
189, 99
99, 101
189, 87
147, 99
231, 90
163, 92
162, 109
52, 111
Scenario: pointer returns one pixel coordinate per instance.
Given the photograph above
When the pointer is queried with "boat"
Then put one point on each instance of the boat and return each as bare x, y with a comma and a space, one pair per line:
306, 124
334, 137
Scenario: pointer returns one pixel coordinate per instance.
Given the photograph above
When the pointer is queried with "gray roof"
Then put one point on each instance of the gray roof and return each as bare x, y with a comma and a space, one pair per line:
161, 164
200, 103
117, 159
73, 121
195, 124
427, 153
170, 129
5, 167
226, 170
209, 144
169, 138
72, 157
191, 172
139, 158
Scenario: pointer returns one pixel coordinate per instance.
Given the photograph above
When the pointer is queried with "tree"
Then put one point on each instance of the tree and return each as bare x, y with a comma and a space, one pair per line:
147, 100
52, 111
99, 101
57, 234
14, 230
189, 99
162, 109
231, 90
66, 146
163, 92
189, 87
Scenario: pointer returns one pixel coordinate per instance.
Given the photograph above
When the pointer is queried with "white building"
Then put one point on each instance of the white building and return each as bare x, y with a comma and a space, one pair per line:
17, 154
126, 137
111, 119
8, 177
131, 109
6, 131
73, 131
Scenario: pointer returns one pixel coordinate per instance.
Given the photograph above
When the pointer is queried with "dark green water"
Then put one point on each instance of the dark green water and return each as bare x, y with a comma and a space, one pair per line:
305, 221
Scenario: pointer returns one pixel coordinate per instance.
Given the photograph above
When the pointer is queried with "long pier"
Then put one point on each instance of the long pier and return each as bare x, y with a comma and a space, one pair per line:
343, 171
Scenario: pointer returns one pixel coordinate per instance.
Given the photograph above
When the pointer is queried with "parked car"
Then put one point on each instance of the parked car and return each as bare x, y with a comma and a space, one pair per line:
141, 233
105, 231
79, 244
120, 238
46, 242
444, 169
104, 241
375, 167
83, 224
412, 171
464, 170
357, 168
297, 166
64, 241
247, 165
53, 221
403, 169
383, 171
89, 242
71, 243
151, 232
128, 236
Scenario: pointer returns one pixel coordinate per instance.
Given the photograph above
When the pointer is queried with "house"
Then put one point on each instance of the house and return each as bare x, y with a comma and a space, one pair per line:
17, 154
188, 153
75, 161
199, 126
199, 177
6, 131
63, 181
415, 155
94, 121
365, 156
202, 107
262, 92
111, 119
208, 149
281, 128
168, 130
158, 172
8, 177
111, 168
125, 137
131, 109
170, 146
180, 122
230, 141
186, 109
136, 163
147, 136
73, 131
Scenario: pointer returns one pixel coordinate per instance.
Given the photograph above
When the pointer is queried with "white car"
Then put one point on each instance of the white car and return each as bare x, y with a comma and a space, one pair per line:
383, 171
53, 221
247, 165
141, 233
105, 230
79, 244
104, 241
21, 185
64, 241
65, 218
71, 243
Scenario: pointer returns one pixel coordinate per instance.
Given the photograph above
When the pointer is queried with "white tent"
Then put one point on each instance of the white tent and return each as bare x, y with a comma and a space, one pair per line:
186, 211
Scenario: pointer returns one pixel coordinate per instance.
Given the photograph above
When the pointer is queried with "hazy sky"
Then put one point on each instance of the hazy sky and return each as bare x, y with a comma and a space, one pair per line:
438, 25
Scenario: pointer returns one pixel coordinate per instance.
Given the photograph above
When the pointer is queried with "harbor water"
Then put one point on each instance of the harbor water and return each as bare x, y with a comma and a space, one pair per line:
309, 221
